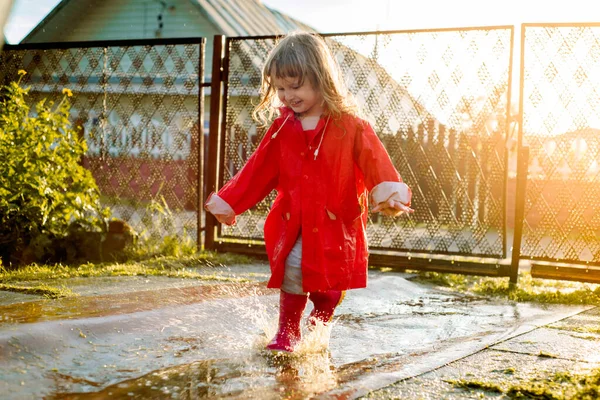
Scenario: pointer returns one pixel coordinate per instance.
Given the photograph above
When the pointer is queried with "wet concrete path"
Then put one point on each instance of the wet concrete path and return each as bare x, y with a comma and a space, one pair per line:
206, 341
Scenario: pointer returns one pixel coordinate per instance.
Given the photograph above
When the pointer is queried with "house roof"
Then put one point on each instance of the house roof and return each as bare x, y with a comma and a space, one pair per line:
231, 17
248, 18
46, 19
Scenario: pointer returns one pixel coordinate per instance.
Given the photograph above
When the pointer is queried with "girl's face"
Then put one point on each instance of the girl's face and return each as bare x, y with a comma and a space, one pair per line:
302, 99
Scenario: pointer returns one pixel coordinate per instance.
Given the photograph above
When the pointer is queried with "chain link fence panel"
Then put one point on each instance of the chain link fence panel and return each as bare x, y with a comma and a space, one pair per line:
138, 108
561, 127
438, 101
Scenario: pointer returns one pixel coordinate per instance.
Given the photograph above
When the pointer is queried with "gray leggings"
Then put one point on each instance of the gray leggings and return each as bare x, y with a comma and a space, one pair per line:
292, 278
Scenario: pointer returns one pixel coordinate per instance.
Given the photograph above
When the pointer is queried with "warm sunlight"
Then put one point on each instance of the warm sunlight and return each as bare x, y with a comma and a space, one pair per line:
562, 84
274, 199
433, 65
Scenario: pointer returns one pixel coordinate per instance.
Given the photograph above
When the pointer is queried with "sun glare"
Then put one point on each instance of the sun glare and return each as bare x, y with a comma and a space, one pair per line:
562, 80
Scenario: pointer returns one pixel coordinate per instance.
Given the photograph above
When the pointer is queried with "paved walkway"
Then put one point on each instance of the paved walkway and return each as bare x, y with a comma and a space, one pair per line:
568, 345
167, 338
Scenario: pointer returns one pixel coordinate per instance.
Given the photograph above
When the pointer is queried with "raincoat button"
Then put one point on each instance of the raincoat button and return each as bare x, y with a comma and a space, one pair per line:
305, 176
302, 154
315, 230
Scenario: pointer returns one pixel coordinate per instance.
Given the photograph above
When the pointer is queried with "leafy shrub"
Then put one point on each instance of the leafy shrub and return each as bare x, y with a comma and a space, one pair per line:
45, 193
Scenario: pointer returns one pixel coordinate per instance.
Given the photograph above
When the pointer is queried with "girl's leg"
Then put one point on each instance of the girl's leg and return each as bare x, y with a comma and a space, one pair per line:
324, 305
291, 308
292, 278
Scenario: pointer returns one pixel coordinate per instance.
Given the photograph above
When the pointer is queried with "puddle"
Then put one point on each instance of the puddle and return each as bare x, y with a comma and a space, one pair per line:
122, 303
259, 377
208, 342
7, 298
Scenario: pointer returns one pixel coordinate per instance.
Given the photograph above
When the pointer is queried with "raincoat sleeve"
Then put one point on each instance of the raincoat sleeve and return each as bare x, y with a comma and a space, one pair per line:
381, 178
256, 179
220, 209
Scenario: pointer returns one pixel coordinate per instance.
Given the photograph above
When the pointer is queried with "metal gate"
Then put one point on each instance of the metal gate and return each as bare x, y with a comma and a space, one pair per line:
139, 104
560, 127
438, 100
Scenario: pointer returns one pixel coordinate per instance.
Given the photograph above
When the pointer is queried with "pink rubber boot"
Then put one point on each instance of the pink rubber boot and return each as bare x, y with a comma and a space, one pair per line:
291, 308
325, 304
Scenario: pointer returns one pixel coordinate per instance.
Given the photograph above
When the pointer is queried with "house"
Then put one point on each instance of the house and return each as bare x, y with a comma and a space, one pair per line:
104, 20
93, 20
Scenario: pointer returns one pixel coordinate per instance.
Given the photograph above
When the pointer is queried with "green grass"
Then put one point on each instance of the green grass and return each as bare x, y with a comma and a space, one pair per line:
168, 266
580, 329
476, 384
528, 289
559, 386
41, 289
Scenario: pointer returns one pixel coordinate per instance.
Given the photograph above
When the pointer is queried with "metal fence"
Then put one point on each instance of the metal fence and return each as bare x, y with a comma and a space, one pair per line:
560, 108
139, 105
438, 99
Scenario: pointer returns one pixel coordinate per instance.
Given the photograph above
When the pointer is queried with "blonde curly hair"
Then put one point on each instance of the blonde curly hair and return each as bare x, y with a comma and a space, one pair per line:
304, 55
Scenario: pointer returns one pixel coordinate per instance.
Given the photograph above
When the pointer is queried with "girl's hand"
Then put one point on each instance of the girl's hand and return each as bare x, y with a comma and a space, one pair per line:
392, 208
391, 198
220, 209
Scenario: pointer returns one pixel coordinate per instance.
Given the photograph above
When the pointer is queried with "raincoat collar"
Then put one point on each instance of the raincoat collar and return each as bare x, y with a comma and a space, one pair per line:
288, 114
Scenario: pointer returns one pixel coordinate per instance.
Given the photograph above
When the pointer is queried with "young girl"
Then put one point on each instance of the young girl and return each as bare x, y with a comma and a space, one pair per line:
326, 165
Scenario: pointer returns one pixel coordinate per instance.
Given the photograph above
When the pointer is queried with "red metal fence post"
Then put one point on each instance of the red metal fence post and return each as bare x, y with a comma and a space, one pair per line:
200, 147
212, 161
522, 170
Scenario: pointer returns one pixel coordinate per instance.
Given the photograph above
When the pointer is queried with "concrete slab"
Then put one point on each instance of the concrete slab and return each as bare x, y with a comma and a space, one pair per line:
585, 322
556, 343
504, 369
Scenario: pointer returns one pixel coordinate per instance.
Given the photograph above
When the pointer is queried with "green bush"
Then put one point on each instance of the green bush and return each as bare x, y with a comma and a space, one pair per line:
45, 193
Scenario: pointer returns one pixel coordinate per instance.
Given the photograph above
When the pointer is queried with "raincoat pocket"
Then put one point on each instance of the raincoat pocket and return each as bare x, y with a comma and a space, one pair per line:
338, 237
275, 229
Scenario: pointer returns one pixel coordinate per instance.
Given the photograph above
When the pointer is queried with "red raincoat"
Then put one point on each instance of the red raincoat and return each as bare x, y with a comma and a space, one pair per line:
324, 197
